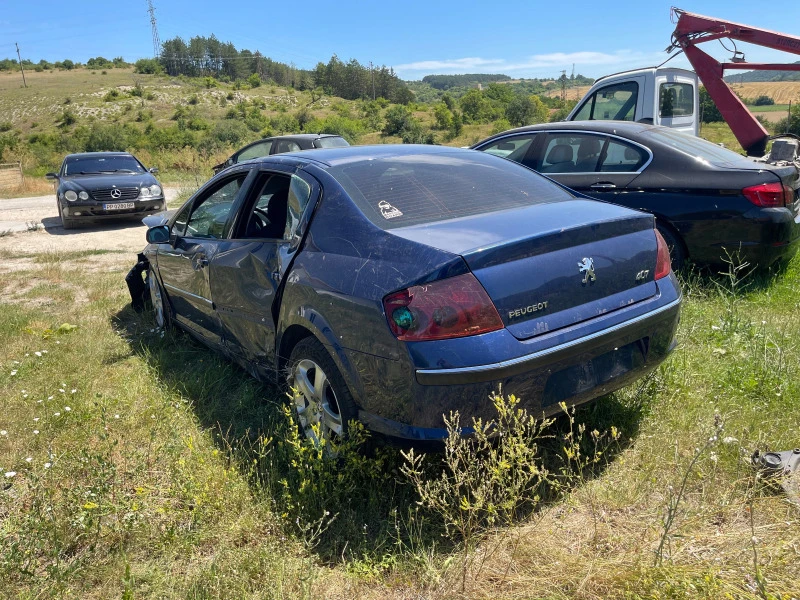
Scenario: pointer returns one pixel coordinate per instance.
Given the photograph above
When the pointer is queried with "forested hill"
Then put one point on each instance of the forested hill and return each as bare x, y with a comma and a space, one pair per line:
752, 76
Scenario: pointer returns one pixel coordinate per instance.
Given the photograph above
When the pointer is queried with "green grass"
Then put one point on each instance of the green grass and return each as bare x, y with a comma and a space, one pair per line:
161, 470
768, 108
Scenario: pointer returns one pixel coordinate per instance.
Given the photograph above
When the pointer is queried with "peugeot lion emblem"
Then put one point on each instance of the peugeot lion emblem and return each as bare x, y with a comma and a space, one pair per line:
115, 193
587, 266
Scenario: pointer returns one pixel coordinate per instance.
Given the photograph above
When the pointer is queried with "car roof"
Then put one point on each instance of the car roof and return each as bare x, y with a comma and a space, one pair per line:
96, 154
300, 136
331, 157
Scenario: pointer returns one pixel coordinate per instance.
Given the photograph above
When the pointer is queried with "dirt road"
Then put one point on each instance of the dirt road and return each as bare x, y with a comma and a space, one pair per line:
32, 225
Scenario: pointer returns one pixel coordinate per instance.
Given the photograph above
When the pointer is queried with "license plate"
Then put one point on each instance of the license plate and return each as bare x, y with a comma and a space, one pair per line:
119, 206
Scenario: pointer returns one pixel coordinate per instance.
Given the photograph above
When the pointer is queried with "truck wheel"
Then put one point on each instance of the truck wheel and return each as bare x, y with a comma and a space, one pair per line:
323, 404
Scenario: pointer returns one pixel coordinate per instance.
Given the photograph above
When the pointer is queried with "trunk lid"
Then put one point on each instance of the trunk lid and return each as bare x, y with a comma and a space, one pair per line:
550, 266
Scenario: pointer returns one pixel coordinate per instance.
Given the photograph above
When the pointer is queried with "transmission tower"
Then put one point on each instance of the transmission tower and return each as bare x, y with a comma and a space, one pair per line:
156, 41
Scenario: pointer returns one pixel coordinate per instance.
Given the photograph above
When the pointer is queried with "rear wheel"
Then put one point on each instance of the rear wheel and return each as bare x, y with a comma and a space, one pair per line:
675, 245
322, 402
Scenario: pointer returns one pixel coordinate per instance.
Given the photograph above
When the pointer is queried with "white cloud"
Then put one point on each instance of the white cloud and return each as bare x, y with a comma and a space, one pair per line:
538, 65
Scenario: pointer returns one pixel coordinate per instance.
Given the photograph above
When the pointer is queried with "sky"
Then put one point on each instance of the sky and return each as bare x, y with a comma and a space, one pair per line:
416, 38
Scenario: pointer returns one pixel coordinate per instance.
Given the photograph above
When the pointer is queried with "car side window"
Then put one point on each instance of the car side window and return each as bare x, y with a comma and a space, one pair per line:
210, 213
622, 158
179, 226
278, 207
513, 148
255, 151
614, 102
571, 153
282, 146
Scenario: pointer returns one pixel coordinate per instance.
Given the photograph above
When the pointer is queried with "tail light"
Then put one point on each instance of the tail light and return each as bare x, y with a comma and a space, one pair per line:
663, 263
769, 195
448, 308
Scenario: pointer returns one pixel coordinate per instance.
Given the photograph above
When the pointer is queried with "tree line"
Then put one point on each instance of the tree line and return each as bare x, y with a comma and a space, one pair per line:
209, 57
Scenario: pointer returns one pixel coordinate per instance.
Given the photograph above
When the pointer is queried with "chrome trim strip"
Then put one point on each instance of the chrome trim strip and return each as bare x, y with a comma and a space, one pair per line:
552, 350
185, 293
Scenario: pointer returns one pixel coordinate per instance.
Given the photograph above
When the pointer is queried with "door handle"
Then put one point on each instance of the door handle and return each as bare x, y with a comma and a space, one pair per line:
603, 185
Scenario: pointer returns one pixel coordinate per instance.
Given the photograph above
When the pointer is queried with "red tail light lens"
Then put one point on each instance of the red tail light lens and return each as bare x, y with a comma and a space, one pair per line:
769, 195
663, 262
448, 308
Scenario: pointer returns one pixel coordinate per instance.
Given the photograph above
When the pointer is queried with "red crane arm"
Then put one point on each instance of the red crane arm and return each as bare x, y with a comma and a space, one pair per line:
692, 29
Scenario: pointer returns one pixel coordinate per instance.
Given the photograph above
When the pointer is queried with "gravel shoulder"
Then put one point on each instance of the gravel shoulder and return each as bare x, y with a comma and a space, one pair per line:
32, 226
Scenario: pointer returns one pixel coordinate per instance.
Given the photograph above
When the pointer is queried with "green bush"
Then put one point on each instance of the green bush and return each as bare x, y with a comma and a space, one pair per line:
254, 80
349, 129
397, 117
284, 124
148, 66
764, 101
443, 116
232, 133
111, 95
5, 126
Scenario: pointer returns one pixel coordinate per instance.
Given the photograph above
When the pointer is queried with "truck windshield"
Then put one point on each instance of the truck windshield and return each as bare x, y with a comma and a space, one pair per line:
616, 102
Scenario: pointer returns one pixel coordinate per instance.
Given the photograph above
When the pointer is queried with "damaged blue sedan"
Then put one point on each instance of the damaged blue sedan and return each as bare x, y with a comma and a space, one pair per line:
394, 284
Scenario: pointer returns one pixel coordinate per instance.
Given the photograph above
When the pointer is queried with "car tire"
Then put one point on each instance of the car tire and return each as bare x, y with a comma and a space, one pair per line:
66, 223
677, 252
162, 311
322, 402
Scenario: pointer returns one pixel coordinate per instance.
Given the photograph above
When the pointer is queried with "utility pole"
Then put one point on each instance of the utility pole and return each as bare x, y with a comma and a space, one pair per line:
564, 87
154, 27
20, 65
373, 79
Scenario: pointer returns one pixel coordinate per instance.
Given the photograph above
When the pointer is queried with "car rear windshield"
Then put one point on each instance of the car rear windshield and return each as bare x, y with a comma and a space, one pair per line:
414, 189
699, 148
331, 142
90, 165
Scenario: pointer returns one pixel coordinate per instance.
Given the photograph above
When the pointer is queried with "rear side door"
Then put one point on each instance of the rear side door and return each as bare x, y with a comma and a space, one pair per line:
196, 235
248, 268
598, 165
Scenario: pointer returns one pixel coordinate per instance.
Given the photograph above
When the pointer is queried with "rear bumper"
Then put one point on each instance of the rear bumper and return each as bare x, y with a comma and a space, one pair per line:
761, 237
94, 210
537, 360
580, 364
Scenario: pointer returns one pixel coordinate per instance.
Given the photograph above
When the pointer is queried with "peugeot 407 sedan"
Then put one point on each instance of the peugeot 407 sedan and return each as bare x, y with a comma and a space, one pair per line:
394, 284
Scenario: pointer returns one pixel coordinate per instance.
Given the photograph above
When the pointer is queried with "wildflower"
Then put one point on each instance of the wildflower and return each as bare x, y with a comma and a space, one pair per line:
67, 409
73, 391
13, 372
56, 414
24, 395
3, 432
23, 391
57, 342
35, 419
44, 351
47, 465
116, 416
729, 440
29, 459
10, 474
37, 353
61, 390
49, 397
35, 432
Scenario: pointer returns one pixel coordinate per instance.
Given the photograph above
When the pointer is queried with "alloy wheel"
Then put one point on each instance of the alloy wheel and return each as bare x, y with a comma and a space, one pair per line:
315, 402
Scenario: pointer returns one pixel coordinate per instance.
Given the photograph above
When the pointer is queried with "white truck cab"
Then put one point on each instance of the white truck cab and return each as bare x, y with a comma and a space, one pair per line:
662, 96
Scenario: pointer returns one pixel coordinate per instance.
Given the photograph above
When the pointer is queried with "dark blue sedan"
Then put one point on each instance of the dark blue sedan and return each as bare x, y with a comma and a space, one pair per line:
394, 284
